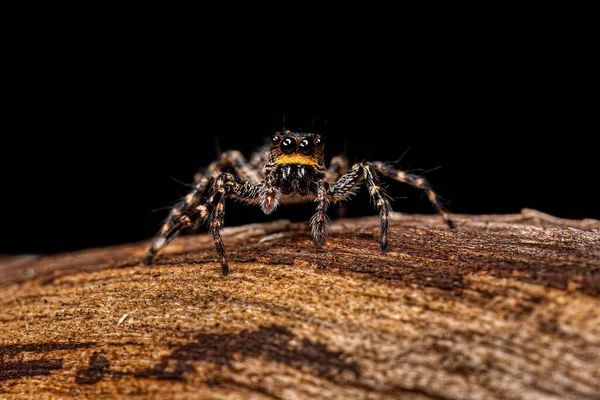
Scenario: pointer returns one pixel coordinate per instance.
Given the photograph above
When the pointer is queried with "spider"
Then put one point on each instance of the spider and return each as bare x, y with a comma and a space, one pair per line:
289, 169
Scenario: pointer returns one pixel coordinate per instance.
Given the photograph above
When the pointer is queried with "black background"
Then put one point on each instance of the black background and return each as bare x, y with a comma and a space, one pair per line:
91, 154
112, 181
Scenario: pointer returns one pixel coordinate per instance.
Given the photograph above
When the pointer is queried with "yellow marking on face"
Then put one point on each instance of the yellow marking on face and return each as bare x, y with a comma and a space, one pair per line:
295, 159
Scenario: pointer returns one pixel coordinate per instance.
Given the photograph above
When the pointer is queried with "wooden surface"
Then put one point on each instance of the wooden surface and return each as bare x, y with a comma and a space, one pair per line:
503, 307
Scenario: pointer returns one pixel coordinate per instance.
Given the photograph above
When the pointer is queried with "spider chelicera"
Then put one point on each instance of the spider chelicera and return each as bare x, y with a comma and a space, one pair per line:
290, 169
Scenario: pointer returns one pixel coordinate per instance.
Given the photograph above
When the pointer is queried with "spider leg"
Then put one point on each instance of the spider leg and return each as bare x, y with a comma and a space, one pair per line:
418, 182
382, 202
187, 208
337, 167
189, 218
225, 185
347, 184
245, 170
233, 159
319, 223
228, 185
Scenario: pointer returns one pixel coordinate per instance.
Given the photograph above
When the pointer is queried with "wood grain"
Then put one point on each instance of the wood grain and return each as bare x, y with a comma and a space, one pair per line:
503, 307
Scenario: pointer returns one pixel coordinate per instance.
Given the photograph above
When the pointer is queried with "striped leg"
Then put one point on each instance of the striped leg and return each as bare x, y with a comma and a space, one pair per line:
189, 218
217, 220
233, 159
382, 202
347, 185
319, 223
228, 185
176, 219
214, 209
418, 182
337, 168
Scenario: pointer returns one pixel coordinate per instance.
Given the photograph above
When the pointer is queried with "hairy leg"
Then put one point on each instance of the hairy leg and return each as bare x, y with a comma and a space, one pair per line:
190, 218
382, 202
337, 167
418, 182
225, 185
319, 223
228, 185
347, 184
189, 208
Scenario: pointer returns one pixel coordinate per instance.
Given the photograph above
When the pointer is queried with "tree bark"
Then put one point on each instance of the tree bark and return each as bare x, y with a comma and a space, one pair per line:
502, 307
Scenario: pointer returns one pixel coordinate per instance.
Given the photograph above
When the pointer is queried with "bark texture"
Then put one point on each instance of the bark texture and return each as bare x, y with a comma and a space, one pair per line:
503, 307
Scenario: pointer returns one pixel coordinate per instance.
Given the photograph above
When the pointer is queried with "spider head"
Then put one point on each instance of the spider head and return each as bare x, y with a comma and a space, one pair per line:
294, 148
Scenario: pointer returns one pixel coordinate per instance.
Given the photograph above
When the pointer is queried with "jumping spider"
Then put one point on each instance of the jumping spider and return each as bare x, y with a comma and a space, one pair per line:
291, 169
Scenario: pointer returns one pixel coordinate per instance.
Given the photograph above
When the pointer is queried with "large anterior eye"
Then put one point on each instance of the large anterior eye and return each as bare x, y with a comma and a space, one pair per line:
307, 147
288, 146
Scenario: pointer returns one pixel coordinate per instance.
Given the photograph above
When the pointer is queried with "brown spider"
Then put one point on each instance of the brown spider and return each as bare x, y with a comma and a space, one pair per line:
290, 169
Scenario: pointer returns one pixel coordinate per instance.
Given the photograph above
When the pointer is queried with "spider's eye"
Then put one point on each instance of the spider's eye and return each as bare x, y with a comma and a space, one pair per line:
318, 141
275, 140
288, 145
307, 147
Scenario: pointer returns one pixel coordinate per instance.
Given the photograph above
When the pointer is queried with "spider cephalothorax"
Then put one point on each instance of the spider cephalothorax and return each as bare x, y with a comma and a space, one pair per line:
290, 169
296, 162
